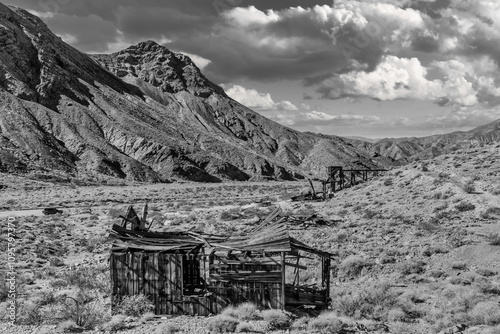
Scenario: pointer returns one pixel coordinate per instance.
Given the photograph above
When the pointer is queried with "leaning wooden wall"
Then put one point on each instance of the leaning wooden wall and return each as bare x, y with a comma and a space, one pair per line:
159, 276
231, 281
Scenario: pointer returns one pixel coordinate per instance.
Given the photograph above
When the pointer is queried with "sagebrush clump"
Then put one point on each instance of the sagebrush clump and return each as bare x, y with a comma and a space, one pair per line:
135, 305
222, 323
276, 319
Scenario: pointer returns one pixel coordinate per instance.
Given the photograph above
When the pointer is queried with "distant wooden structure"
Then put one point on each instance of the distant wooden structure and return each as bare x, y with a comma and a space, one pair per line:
197, 274
339, 178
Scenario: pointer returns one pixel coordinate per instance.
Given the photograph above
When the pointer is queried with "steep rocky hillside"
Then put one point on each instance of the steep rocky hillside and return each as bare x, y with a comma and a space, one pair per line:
144, 113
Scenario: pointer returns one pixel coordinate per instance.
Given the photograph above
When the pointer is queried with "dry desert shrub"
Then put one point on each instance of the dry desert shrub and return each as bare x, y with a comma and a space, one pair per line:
146, 317
167, 328
301, 323
459, 265
420, 327
396, 315
388, 182
352, 266
31, 313
276, 319
117, 323
411, 267
245, 311
248, 311
86, 308
222, 324
464, 206
328, 323
68, 326
369, 302
369, 214
469, 187
87, 278
491, 213
428, 225
245, 327
135, 306
455, 305
485, 313
493, 239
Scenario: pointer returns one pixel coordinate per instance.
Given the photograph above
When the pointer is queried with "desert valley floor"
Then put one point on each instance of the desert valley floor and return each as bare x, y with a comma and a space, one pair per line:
416, 250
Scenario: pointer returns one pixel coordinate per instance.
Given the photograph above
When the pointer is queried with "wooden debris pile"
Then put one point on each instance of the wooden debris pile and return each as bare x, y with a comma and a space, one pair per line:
305, 222
310, 196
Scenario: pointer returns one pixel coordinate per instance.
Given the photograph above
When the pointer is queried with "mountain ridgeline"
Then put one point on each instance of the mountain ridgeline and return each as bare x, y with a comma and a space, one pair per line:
144, 113
404, 150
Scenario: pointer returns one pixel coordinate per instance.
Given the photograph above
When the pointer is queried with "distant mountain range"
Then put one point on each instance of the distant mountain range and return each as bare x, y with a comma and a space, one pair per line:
403, 150
149, 114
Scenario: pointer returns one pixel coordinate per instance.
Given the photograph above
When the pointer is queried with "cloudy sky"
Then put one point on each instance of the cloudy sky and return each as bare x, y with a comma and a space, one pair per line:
379, 68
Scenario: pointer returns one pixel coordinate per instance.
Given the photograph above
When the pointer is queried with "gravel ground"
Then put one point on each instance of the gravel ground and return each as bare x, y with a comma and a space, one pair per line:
187, 325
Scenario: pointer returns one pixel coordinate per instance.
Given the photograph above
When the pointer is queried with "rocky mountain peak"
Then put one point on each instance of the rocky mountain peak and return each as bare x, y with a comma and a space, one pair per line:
155, 64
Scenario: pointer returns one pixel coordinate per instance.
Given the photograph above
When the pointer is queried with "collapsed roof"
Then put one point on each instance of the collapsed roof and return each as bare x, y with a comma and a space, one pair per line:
272, 235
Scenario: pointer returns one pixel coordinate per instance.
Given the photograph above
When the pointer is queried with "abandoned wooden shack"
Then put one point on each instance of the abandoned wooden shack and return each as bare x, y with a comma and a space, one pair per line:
197, 274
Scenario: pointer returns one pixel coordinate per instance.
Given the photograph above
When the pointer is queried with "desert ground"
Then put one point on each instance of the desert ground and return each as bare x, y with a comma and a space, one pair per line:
416, 250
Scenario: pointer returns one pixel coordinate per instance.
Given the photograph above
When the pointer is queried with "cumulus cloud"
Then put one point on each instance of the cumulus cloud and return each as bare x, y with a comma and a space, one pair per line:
461, 118
309, 120
199, 61
455, 82
319, 117
256, 100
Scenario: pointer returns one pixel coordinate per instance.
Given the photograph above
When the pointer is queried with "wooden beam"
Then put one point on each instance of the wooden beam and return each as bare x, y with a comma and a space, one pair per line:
296, 266
283, 282
312, 187
142, 225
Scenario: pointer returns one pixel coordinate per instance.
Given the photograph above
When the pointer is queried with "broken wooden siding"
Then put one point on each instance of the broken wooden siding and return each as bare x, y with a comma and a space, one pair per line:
159, 276
239, 279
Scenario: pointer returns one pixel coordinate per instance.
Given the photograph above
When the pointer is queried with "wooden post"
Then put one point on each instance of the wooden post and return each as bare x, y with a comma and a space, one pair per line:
142, 225
327, 273
334, 181
312, 187
283, 280
323, 277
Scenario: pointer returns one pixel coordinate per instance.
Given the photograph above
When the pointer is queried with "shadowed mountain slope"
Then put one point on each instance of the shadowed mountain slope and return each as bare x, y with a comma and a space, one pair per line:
144, 113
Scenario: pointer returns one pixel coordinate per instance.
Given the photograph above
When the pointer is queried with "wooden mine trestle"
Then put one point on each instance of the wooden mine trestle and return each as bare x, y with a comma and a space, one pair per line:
339, 178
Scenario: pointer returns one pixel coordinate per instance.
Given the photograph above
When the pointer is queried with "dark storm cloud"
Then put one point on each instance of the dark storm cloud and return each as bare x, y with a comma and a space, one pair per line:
231, 59
428, 44
197, 27
153, 23
431, 8
97, 31
107, 9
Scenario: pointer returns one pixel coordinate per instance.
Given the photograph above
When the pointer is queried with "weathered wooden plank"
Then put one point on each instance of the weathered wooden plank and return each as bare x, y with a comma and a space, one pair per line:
283, 283
130, 273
